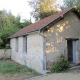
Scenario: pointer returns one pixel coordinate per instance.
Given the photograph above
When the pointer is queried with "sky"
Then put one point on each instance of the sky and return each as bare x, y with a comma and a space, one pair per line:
20, 7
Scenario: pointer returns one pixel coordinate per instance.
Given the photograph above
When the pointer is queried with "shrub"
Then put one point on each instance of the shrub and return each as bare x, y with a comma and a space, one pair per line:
61, 65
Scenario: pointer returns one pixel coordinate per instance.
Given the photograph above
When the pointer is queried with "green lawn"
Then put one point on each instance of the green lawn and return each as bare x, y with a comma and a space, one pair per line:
9, 66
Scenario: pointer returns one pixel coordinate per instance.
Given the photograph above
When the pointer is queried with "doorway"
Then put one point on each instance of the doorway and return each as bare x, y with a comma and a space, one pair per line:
71, 50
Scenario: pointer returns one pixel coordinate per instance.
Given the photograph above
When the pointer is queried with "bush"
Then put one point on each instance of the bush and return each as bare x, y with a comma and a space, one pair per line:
61, 65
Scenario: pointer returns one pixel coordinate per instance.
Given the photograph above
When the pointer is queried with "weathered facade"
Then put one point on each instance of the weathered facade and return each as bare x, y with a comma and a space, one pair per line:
42, 43
33, 58
58, 35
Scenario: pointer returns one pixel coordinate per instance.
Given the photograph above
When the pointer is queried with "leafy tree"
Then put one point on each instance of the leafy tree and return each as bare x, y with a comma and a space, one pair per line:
1, 41
25, 23
2, 19
70, 3
9, 24
5, 33
43, 8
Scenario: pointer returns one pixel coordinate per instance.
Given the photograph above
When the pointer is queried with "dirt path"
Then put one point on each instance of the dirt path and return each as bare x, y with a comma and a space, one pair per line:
70, 75
16, 76
55, 76
59, 76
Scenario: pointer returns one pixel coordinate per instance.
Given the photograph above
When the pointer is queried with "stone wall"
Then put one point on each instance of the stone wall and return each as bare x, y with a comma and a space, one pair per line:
56, 43
5, 53
33, 58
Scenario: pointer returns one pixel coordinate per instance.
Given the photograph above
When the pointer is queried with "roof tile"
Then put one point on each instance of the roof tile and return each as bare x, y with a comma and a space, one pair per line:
40, 24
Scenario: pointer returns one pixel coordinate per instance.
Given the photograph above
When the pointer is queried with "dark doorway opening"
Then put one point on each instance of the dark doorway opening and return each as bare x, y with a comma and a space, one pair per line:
72, 45
70, 50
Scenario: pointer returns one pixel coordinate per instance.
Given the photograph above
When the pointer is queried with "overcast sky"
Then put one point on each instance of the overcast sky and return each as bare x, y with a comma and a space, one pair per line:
17, 7
20, 7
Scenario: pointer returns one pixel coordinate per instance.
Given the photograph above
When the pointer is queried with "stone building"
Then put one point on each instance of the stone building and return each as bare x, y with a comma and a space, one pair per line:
42, 43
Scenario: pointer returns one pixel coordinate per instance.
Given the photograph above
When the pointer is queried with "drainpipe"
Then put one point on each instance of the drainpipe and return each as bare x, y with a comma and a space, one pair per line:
44, 50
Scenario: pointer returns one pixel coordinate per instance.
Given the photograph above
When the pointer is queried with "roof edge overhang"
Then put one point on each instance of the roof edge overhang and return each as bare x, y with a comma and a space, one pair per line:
23, 34
47, 26
60, 18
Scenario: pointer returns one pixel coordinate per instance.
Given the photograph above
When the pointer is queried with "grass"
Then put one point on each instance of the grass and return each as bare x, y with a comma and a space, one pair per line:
9, 67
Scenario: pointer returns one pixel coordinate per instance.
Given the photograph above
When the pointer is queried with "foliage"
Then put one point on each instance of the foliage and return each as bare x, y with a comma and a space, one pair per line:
61, 65
70, 3
25, 23
46, 14
43, 8
6, 67
9, 24
5, 33
1, 41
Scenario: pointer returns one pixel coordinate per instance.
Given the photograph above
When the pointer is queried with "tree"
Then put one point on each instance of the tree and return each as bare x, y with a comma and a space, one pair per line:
25, 22
70, 3
43, 8
5, 33
9, 24
2, 19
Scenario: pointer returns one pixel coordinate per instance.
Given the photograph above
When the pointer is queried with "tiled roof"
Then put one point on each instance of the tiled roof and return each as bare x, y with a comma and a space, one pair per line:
40, 24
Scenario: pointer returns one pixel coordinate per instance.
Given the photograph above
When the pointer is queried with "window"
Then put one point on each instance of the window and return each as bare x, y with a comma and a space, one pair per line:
25, 44
17, 44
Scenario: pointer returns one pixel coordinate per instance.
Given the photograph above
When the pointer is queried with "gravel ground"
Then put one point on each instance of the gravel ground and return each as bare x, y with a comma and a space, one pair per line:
58, 76
73, 74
